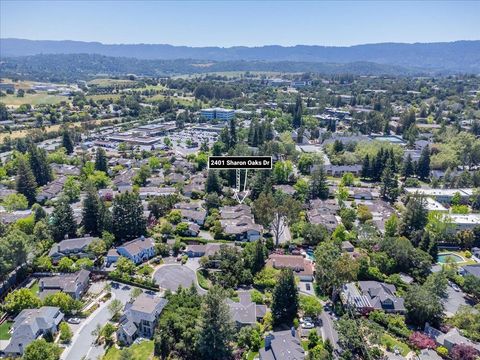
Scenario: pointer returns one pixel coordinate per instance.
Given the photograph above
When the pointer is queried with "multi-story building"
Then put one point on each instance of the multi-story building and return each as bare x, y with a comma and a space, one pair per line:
217, 113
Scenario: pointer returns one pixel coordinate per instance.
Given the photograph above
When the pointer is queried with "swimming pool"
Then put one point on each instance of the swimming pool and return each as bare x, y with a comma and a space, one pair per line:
310, 255
444, 257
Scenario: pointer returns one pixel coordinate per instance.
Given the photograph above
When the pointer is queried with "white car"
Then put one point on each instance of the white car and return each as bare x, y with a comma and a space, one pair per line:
307, 325
455, 287
305, 319
73, 321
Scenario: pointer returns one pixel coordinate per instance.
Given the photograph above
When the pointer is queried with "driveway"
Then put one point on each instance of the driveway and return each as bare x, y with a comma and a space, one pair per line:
82, 345
328, 329
454, 301
172, 276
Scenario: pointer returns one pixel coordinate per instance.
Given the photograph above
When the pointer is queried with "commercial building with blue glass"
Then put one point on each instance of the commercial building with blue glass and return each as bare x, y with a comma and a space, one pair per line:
217, 113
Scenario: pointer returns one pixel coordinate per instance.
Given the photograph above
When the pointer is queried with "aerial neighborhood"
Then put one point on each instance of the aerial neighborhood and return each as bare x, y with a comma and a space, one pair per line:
120, 240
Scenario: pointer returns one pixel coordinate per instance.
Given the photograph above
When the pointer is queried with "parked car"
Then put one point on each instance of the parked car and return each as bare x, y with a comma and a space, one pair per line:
455, 287
308, 325
73, 321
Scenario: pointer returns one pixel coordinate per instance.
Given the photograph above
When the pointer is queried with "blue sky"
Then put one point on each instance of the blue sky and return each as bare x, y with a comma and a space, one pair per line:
248, 23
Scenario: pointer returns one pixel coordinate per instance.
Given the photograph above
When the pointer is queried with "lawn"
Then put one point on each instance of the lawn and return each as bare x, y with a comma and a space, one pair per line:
142, 351
390, 343
35, 288
202, 280
4, 328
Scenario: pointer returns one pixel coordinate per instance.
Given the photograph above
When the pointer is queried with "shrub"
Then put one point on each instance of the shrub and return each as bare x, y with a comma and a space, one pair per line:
421, 341
442, 351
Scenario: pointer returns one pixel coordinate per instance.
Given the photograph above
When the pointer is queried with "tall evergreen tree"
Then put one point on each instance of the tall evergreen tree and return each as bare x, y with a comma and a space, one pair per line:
216, 329
233, 133
213, 183
318, 187
25, 182
389, 189
285, 298
297, 113
62, 222
423, 165
67, 141
91, 212
39, 165
101, 160
415, 216
366, 173
128, 221
408, 168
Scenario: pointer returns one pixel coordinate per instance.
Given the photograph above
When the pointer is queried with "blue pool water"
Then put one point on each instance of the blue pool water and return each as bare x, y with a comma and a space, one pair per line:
443, 258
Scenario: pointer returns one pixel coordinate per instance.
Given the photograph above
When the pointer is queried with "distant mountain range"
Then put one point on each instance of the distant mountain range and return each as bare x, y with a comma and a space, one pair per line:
458, 56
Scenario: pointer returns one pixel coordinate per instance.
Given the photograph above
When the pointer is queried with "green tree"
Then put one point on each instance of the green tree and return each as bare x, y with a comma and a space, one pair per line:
127, 216
311, 306
389, 187
423, 165
415, 216
65, 333
327, 255
101, 163
213, 183
14, 202
67, 141
408, 168
62, 222
95, 216
21, 299
39, 165
40, 349
115, 307
318, 184
282, 171
423, 306
25, 182
65, 264
71, 189
142, 175
285, 298
216, 327
65, 302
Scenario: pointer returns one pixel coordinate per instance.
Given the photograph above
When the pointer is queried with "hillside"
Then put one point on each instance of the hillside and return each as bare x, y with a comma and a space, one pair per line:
459, 56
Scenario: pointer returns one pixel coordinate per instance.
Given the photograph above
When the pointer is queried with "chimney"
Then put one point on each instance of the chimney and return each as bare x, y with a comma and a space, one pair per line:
66, 237
142, 238
268, 340
293, 331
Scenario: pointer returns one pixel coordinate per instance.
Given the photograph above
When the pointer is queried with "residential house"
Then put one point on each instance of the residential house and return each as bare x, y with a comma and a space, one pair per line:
473, 270
31, 324
462, 222
140, 318
77, 247
443, 196
282, 345
74, 284
137, 250
302, 267
246, 312
340, 170
237, 221
372, 295
449, 339
208, 249
51, 190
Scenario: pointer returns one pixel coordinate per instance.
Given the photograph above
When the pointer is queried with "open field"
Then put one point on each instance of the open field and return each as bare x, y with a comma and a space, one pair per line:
22, 133
33, 99
111, 82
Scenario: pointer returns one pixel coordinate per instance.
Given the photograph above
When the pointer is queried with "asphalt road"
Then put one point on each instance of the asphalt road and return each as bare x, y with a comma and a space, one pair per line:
172, 276
328, 329
82, 345
454, 301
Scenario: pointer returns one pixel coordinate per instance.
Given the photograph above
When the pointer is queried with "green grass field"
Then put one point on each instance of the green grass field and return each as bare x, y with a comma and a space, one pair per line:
142, 351
33, 99
4, 328
35, 288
